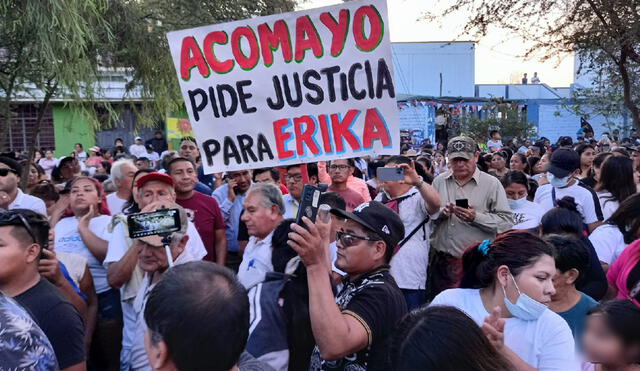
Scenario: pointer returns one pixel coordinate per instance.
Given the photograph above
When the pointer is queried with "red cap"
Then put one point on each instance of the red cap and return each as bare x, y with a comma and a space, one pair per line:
154, 176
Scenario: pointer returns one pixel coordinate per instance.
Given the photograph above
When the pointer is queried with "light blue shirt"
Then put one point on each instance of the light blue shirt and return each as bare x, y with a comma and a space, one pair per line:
231, 213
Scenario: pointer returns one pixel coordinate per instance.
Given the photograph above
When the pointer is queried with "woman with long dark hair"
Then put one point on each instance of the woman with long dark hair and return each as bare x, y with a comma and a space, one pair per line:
499, 164
282, 335
519, 162
84, 231
622, 228
616, 184
512, 278
587, 152
597, 169
442, 338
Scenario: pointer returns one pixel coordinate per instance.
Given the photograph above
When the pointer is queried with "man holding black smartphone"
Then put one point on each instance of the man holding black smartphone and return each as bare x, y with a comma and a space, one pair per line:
474, 208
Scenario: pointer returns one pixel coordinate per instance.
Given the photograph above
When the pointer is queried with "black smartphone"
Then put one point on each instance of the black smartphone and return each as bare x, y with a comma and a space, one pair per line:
309, 203
463, 203
159, 222
390, 174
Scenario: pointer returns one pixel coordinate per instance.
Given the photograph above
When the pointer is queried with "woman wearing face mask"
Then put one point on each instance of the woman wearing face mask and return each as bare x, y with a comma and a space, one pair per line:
526, 214
504, 288
561, 173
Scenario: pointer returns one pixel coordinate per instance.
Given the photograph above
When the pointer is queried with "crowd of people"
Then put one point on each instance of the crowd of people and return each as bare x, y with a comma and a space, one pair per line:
522, 256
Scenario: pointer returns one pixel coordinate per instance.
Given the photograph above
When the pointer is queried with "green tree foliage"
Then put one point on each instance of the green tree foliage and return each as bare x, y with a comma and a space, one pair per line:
59, 48
604, 33
510, 120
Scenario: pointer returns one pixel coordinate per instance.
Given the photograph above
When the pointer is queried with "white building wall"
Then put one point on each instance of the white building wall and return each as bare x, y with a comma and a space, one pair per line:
417, 68
555, 121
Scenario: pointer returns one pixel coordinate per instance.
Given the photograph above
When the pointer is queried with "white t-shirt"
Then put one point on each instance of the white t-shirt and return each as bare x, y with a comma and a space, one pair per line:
585, 197
608, 242
494, 145
333, 255
409, 264
546, 344
137, 150
290, 206
67, 239
256, 261
528, 216
118, 243
153, 158
115, 203
25, 201
608, 204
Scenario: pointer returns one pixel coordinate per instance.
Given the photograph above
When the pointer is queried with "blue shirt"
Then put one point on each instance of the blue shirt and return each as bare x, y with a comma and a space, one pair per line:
231, 213
576, 317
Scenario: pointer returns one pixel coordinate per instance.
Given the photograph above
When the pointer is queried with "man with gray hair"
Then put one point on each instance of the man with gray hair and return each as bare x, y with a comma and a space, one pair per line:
123, 256
263, 212
122, 172
154, 259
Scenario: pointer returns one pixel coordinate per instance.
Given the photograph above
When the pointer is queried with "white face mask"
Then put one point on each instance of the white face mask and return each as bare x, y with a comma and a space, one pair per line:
558, 182
517, 204
525, 307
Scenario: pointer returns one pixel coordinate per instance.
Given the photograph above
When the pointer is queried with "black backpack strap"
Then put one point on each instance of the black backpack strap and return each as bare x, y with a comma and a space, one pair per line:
416, 229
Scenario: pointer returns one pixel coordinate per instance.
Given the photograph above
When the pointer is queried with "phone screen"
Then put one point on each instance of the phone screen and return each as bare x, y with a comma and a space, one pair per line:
158, 222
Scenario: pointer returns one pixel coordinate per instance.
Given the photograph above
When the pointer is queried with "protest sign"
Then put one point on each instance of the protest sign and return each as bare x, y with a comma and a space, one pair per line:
289, 88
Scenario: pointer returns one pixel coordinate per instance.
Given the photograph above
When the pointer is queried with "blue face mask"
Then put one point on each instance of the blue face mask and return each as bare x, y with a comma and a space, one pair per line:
525, 308
517, 204
558, 182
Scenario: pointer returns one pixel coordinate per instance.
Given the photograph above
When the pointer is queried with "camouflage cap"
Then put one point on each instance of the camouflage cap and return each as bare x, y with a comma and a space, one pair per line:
461, 147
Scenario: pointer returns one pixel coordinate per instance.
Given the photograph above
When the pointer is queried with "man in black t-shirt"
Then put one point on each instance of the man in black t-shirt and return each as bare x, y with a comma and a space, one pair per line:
23, 235
352, 330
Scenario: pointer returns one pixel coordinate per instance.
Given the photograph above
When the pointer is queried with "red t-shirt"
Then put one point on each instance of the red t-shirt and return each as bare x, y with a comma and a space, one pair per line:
207, 219
352, 198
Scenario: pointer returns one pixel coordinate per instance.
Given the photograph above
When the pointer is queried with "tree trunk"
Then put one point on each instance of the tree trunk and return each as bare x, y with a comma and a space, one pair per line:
49, 91
626, 88
5, 124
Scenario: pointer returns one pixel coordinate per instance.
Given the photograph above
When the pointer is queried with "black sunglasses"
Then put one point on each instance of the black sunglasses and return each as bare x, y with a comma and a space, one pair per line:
347, 239
9, 217
4, 171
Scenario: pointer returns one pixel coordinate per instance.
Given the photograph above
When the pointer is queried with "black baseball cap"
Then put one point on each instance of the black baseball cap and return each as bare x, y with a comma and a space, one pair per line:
377, 218
565, 141
564, 161
12, 164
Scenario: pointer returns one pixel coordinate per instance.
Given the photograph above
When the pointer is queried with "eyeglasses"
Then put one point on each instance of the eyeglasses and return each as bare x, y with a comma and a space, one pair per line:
347, 239
9, 217
294, 177
4, 172
339, 167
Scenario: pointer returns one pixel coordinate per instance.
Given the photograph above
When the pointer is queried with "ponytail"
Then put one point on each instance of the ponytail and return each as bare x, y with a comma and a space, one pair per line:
515, 249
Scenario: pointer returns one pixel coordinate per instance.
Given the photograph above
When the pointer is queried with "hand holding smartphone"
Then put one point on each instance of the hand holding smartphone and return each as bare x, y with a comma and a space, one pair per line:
309, 203
390, 174
463, 203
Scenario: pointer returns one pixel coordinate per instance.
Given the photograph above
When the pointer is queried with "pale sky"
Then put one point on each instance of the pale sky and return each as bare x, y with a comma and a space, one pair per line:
496, 57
